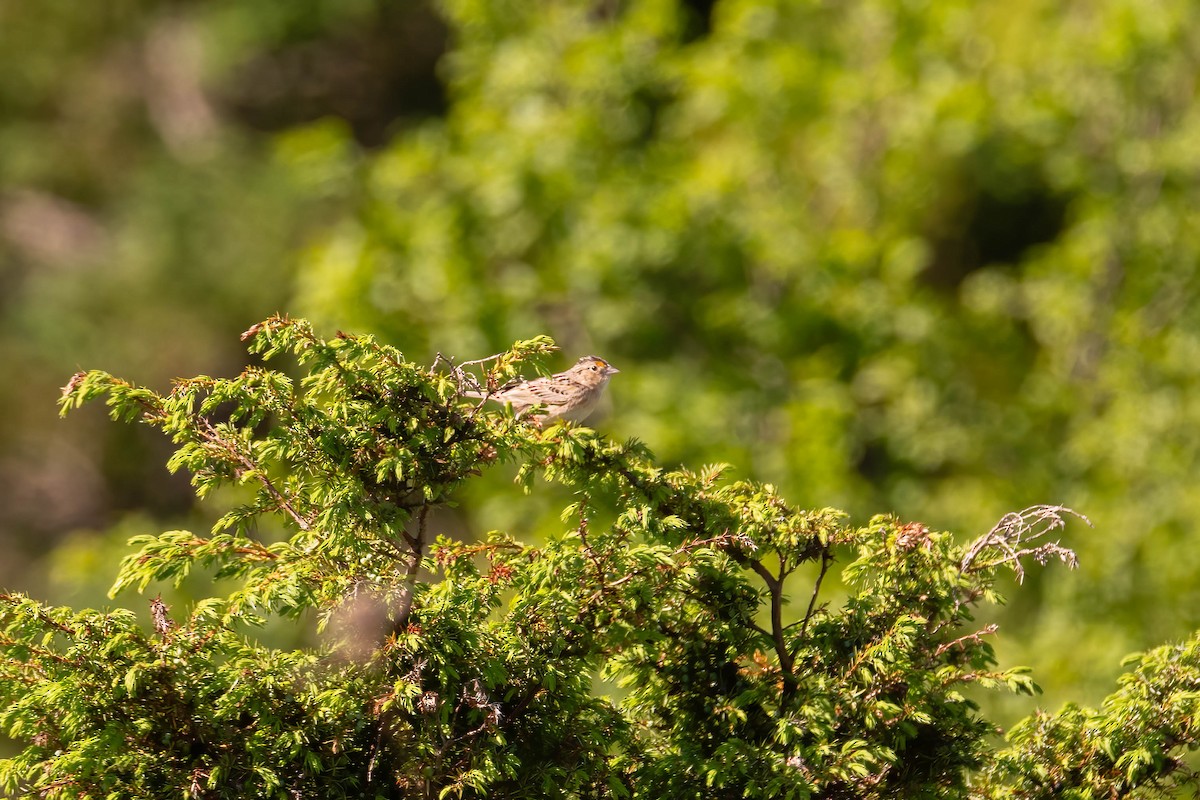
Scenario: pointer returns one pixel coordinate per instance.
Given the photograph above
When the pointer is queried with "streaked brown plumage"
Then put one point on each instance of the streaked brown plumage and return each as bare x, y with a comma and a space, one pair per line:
570, 395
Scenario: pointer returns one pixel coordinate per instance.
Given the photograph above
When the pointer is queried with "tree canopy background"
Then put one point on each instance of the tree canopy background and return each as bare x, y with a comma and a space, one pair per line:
936, 259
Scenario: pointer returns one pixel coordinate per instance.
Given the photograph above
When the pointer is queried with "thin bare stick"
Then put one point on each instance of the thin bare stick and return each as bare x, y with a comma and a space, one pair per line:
465, 380
441, 359
1005, 542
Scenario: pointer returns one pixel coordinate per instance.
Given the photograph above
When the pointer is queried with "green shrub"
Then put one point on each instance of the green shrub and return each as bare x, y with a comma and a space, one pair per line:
468, 669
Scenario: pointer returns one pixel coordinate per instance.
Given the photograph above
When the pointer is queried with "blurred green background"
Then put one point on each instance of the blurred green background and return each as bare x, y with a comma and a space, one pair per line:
939, 259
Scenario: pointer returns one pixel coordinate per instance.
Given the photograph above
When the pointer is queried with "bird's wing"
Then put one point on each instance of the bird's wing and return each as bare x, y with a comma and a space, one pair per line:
544, 391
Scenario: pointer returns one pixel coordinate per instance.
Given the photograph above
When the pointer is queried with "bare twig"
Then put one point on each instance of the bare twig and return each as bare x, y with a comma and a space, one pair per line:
441, 359
1006, 542
465, 380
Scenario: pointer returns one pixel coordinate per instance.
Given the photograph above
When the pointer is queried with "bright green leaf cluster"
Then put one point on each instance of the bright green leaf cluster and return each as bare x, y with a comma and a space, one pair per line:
1136, 740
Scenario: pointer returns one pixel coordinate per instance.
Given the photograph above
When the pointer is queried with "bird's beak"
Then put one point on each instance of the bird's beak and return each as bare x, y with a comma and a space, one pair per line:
612, 370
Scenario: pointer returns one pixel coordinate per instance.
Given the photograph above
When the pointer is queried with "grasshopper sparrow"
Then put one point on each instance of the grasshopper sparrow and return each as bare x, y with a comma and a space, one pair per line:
570, 395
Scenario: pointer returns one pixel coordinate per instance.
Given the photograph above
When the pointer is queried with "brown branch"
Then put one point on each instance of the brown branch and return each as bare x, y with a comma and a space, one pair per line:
36, 650
50, 788
41, 614
410, 575
588, 551
719, 540
775, 588
755, 626
970, 637
490, 549
211, 435
826, 560
257, 551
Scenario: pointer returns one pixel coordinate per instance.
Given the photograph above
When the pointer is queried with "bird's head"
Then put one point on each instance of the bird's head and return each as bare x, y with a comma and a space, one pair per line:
596, 366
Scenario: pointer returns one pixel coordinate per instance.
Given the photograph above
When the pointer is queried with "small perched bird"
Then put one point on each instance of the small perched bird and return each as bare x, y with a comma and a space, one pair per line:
571, 395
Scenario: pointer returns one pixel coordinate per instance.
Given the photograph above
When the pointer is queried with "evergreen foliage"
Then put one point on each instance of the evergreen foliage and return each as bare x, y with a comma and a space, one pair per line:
933, 258
467, 668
